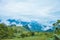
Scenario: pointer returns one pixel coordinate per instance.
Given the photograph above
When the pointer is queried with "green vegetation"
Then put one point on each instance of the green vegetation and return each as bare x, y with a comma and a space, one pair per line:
20, 33
5, 31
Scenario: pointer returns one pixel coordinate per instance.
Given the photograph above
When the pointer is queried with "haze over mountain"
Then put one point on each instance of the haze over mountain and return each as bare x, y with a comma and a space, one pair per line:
32, 25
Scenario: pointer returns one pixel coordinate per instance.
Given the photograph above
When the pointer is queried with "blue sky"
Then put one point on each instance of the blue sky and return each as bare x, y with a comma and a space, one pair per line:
42, 10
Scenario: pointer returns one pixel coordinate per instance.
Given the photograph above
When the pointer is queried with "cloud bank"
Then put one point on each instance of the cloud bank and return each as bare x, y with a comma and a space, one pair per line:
42, 10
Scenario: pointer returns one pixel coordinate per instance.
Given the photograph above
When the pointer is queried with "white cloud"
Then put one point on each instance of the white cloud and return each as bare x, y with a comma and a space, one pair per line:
43, 11
34, 8
47, 28
25, 8
16, 7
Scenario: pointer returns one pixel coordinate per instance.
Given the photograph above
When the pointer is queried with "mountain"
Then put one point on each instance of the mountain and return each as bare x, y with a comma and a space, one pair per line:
13, 20
31, 25
35, 26
0, 20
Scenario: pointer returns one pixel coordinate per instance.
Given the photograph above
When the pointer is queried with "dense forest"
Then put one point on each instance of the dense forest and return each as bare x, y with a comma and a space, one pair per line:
8, 32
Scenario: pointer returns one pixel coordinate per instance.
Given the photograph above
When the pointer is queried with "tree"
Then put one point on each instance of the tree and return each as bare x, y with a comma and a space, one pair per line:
57, 26
57, 29
5, 31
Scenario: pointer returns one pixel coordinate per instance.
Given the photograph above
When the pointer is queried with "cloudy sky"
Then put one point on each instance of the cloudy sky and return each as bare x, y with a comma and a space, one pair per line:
31, 9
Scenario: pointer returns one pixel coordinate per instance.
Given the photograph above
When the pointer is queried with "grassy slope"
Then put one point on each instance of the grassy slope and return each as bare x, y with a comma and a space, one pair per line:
40, 35
32, 38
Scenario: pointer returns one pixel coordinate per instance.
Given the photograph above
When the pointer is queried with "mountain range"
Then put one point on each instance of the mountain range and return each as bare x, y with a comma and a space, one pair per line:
29, 25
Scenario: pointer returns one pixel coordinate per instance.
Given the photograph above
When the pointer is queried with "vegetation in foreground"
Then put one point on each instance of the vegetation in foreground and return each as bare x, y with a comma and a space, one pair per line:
19, 33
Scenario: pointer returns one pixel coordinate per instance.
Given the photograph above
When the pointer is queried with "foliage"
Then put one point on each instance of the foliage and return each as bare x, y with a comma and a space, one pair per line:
5, 31
57, 29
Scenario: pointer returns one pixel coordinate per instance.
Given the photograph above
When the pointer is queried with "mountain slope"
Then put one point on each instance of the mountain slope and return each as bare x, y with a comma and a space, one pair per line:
32, 25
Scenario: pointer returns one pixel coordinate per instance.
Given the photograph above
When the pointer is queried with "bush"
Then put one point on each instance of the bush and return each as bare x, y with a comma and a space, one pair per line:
5, 31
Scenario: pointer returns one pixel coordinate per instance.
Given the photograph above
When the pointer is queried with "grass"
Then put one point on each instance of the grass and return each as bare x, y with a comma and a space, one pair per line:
37, 36
29, 38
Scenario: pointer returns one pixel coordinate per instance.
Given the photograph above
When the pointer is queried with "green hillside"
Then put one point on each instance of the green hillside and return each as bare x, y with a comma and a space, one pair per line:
20, 33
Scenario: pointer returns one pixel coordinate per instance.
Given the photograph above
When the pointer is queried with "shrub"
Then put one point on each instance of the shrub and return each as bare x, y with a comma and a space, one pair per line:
5, 31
